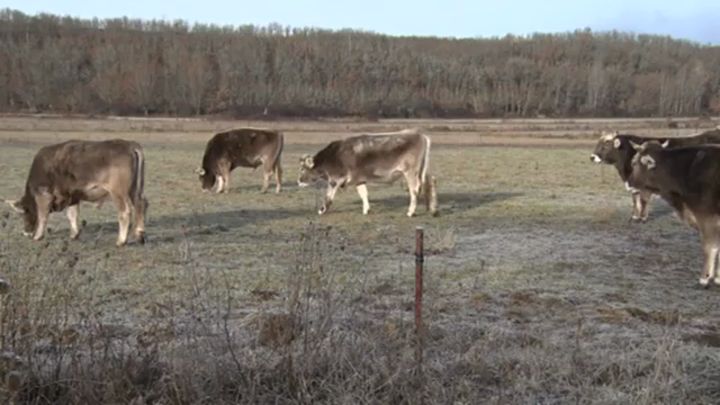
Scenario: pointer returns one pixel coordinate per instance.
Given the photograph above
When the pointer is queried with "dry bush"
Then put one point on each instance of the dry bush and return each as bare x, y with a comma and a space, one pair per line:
321, 339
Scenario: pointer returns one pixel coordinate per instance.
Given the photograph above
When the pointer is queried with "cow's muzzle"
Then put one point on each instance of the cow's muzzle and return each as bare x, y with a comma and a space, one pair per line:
595, 158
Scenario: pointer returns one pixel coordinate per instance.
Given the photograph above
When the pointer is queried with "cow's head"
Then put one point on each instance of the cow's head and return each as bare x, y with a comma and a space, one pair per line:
308, 173
645, 164
207, 179
608, 149
28, 209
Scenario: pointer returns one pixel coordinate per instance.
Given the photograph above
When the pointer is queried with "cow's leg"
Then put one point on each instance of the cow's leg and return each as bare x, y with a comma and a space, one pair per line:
267, 174
278, 177
225, 174
226, 180
124, 212
219, 184
362, 190
711, 254
329, 196
140, 210
636, 207
72, 215
42, 201
414, 184
644, 198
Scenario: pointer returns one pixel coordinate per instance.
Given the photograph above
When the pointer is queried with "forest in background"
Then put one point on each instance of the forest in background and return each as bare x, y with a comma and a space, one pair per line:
146, 67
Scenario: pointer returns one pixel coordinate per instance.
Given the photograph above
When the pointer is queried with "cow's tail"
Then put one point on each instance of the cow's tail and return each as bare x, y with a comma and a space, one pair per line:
276, 160
137, 192
429, 184
138, 176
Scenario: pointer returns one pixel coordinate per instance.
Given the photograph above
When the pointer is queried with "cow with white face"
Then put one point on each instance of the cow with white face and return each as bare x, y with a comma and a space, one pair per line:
384, 157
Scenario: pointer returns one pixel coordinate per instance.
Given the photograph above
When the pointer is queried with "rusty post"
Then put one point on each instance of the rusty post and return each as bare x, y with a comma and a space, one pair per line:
419, 259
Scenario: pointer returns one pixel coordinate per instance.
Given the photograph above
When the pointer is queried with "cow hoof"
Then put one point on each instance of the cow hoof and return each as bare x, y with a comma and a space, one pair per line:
410, 214
120, 243
634, 219
436, 214
322, 210
141, 238
74, 236
704, 281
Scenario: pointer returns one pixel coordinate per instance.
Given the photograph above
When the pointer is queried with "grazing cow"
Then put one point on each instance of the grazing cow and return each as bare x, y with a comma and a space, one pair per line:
687, 178
242, 147
64, 174
615, 149
360, 159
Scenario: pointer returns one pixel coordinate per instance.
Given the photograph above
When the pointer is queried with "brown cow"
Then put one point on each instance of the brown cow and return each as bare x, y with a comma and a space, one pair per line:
615, 149
360, 159
242, 147
687, 178
64, 174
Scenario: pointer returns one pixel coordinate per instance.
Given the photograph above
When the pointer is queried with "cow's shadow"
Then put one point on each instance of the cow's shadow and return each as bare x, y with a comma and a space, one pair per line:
657, 209
448, 202
255, 188
169, 228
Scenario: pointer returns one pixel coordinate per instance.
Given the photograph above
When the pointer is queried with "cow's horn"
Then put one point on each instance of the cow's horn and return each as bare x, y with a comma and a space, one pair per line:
14, 205
665, 144
635, 146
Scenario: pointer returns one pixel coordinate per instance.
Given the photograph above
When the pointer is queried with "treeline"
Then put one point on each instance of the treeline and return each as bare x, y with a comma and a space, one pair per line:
122, 66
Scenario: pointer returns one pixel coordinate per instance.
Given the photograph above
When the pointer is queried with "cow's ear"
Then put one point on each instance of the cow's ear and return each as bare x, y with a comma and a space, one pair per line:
635, 146
665, 144
200, 171
616, 143
15, 204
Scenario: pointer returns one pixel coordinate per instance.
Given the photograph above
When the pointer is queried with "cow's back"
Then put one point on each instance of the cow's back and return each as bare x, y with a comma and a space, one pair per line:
368, 150
241, 147
64, 164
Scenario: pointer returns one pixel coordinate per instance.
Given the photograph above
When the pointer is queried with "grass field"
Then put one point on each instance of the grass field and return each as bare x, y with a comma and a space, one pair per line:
538, 290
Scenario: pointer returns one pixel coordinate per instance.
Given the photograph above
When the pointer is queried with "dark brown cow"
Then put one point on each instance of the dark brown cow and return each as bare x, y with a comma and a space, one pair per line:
242, 147
64, 174
360, 159
615, 149
687, 178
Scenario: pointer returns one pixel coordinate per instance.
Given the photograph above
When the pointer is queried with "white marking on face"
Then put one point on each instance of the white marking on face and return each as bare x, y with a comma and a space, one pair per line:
616, 143
648, 161
595, 158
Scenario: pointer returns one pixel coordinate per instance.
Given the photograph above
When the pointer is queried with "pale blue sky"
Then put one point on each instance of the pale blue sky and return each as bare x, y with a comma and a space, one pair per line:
698, 20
